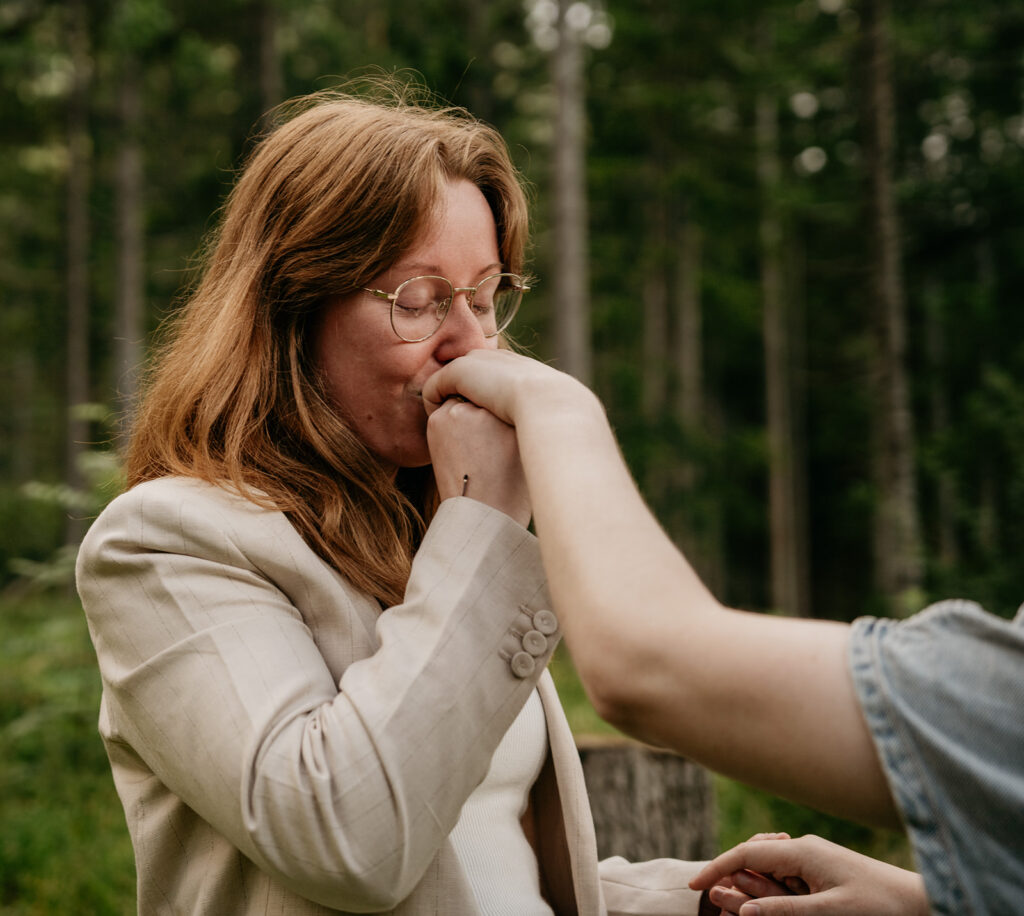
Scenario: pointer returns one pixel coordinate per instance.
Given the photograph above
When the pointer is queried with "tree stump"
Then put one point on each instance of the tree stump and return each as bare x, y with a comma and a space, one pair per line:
648, 803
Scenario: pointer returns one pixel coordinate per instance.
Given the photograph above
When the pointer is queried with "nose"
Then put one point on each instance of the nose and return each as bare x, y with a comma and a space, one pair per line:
459, 333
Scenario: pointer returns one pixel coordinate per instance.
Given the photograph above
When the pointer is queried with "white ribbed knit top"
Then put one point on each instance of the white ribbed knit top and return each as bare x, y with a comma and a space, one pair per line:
489, 838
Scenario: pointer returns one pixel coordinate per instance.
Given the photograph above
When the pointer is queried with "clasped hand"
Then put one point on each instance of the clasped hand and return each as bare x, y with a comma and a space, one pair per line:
475, 454
772, 875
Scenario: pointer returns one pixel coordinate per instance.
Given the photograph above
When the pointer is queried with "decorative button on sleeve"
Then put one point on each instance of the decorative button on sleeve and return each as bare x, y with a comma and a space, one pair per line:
522, 664
535, 643
545, 622
530, 638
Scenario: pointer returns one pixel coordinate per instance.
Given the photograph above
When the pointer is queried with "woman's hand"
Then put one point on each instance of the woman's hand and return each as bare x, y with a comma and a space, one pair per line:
827, 879
728, 898
476, 455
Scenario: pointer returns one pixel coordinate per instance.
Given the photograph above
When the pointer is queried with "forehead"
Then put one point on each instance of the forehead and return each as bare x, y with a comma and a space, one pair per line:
460, 238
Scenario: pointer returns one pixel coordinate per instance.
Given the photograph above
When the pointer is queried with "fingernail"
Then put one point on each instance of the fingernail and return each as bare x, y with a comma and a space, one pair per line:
750, 909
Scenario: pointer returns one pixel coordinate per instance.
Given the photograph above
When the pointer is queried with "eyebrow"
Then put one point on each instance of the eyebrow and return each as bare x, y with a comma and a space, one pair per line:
422, 269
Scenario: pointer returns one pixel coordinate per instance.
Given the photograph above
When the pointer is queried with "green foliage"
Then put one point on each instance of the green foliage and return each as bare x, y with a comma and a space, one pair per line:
583, 719
743, 811
136, 25
64, 846
49, 563
30, 531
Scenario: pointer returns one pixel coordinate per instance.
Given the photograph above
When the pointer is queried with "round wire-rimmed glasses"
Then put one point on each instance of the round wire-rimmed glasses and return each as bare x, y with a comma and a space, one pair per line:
420, 305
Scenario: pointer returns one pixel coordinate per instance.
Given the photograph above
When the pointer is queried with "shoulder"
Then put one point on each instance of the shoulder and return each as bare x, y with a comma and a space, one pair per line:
181, 515
181, 493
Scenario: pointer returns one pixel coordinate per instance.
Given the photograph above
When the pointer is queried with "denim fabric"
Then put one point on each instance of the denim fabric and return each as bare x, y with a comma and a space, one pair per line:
943, 696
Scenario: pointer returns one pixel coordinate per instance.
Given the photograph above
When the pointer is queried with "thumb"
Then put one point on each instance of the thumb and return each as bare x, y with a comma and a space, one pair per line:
827, 903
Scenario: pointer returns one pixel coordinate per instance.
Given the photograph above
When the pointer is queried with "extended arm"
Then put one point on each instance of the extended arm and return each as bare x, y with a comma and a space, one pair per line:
649, 640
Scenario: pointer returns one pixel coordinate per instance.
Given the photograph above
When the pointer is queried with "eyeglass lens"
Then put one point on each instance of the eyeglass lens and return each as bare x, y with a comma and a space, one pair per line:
422, 303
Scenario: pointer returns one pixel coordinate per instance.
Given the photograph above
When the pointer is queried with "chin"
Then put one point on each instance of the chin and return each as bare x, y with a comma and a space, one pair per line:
409, 460
414, 457
416, 461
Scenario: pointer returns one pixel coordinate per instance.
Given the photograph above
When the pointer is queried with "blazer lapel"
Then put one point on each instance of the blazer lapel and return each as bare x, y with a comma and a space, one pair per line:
566, 844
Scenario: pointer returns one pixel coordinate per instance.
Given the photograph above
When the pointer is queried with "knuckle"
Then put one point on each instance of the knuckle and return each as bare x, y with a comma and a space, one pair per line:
460, 408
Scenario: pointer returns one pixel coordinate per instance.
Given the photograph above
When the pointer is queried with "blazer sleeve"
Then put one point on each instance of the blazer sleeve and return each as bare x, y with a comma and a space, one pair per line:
341, 791
659, 887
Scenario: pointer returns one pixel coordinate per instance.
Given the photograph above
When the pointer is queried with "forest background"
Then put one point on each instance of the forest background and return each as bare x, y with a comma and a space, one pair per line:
783, 242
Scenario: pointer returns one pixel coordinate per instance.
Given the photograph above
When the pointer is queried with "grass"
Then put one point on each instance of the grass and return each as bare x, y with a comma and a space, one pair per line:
64, 846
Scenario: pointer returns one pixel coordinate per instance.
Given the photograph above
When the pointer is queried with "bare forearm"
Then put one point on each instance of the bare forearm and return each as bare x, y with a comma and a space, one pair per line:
614, 576
767, 700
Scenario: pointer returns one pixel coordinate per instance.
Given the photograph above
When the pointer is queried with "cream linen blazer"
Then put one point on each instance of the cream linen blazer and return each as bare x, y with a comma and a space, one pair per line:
281, 746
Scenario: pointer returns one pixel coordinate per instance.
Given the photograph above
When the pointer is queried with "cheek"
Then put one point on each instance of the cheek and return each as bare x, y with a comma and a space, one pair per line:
377, 391
364, 371
356, 355
343, 382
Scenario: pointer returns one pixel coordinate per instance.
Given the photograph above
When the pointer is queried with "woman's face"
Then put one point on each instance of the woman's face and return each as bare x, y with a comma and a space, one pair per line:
374, 378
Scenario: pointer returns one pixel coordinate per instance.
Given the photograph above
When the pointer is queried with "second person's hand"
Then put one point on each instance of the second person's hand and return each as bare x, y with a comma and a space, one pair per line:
507, 384
839, 882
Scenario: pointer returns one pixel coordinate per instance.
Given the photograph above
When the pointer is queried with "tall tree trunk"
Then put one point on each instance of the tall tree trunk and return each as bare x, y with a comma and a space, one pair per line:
654, 381
989, 534
130, 290
77, 366
897, 539
696, 521
688, 342
660, 468
479, 97
571, 296
989, 527
23, 372
648, 803
271, 80
796, 272
938, 404
788, 591
654, 366
376, 18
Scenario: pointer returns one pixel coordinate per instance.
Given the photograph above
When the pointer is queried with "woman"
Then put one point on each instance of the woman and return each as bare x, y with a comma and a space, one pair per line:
322, 657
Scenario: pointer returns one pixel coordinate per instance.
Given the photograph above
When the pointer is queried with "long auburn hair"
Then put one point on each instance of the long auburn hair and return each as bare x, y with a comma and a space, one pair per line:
328, 199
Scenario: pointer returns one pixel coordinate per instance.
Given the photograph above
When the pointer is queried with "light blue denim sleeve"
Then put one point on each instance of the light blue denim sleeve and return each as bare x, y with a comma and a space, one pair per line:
943, 696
